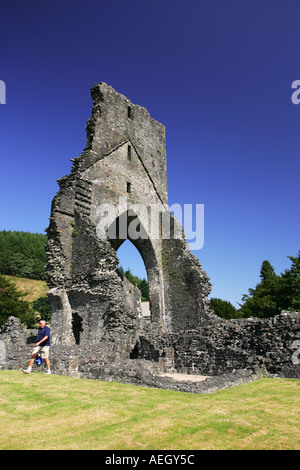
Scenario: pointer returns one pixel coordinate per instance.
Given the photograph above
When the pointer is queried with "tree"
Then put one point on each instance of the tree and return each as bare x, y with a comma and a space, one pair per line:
262, 301
142, 284
267, 271
11, 303
223, 308
42, 307
289, 286
274, 293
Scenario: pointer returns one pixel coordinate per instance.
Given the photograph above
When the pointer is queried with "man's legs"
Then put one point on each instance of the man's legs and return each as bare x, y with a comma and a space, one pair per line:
48, 365
32, 357
45, 355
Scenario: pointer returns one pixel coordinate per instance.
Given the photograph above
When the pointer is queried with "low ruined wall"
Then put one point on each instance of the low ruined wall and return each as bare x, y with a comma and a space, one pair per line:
13, 345
222, 346
247, 344
230, 352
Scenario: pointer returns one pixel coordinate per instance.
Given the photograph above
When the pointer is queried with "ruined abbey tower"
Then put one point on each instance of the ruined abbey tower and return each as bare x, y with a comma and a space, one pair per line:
117, 190
123, 167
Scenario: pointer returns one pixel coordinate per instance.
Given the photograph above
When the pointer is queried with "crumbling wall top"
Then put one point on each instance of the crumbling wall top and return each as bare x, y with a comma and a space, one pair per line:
114, 120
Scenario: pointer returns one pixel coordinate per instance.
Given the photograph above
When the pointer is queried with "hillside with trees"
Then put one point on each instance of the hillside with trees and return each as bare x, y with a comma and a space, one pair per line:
22, 254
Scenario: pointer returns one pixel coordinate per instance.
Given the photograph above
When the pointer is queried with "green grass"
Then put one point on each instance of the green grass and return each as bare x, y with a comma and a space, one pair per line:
58, 412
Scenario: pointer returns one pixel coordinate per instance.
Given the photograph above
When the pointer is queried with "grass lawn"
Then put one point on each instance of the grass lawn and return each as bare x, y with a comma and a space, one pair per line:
33, 288
57, 412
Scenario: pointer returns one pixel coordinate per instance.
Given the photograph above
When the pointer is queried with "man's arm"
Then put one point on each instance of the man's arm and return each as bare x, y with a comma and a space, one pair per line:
42, 340
47, 335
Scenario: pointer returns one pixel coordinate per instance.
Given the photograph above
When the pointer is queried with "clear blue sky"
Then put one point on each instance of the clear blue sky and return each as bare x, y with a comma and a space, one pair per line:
216, 73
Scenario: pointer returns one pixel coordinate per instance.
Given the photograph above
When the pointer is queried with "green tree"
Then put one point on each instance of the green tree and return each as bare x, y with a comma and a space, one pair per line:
262, 302
223, 308
11, 303
274, 293
42, 307
289, 286
142, 284
267, 271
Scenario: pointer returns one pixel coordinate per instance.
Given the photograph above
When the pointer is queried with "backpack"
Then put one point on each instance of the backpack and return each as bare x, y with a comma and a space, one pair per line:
39, 360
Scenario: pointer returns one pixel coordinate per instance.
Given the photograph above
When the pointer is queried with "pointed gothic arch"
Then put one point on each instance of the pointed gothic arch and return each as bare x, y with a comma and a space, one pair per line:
146, 249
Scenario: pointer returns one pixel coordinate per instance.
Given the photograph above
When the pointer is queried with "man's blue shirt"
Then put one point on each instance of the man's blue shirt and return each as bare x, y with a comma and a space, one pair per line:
41, 334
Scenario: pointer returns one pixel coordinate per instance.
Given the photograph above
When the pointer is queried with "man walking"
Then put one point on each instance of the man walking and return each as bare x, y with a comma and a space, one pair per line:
42, 347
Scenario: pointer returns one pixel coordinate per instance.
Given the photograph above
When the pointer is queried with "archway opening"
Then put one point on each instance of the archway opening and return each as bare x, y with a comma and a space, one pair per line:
120, 233
131, 265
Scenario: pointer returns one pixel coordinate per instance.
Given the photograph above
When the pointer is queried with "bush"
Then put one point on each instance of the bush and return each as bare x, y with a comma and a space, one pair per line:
42, 307
223, 308
11, 303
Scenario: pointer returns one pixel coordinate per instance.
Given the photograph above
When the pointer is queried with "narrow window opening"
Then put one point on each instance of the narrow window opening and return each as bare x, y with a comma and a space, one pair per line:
129, 112
77, 327
128, 187
129, 153
160, 224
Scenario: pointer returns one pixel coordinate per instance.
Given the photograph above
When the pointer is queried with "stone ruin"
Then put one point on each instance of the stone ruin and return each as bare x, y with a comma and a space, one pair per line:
123, 167
98, 329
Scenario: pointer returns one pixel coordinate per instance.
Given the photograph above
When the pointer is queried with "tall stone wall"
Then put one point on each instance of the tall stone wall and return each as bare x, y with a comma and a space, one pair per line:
119, 181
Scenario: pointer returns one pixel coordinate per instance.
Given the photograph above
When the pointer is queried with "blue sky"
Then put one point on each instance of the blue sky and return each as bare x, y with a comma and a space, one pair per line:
217, 74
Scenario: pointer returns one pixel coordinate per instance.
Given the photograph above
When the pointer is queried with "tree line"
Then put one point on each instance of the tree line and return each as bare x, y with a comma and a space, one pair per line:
22, 254
142, 284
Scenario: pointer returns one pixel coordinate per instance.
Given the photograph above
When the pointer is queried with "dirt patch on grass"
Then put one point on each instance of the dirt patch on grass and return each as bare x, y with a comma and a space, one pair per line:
185, 377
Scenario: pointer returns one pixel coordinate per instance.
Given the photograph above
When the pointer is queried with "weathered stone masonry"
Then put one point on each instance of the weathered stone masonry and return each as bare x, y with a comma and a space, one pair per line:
124, 163
232, 352
97, 328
